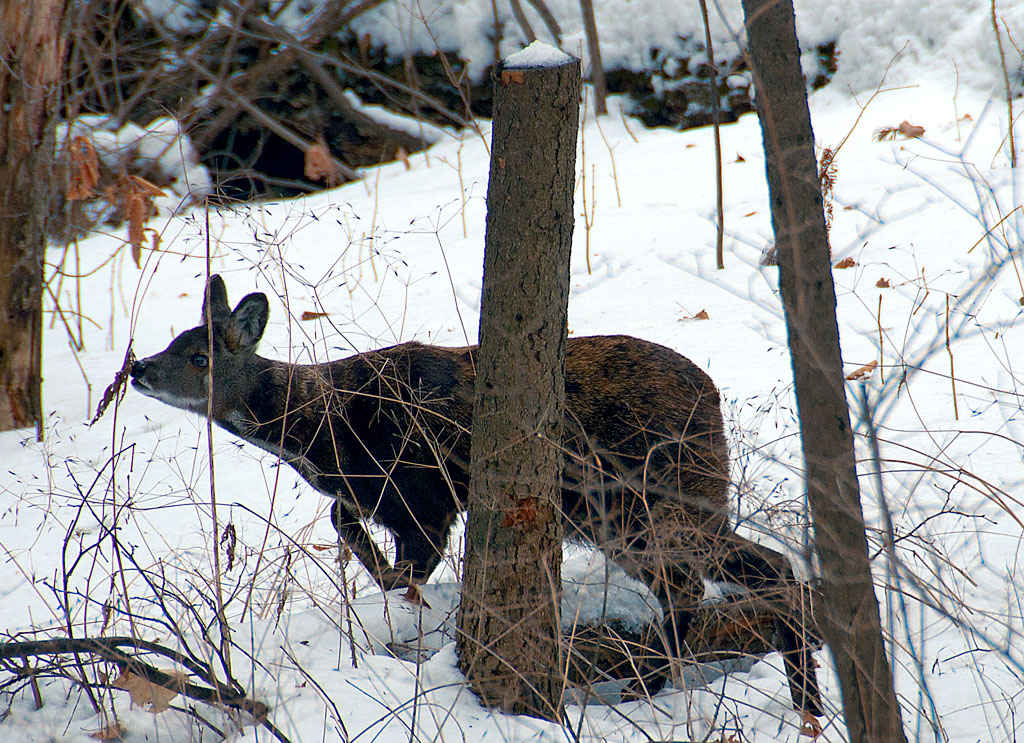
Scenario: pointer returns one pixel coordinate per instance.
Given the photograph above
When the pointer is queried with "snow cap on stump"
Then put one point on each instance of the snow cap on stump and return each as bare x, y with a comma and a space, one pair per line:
537, 54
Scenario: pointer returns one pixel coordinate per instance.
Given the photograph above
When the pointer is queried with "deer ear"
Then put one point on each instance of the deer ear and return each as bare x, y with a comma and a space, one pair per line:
216, 299
248, 322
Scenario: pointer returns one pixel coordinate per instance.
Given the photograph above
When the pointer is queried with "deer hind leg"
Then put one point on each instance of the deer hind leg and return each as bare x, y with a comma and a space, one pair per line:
663, 559
770, 575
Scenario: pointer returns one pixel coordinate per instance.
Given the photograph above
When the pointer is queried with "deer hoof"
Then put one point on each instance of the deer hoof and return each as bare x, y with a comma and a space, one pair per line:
413, 596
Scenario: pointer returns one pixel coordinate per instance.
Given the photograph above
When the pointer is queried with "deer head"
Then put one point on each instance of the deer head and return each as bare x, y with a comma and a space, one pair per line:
180, 374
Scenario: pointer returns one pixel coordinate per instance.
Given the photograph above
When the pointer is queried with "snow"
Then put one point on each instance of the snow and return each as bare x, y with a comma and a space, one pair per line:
423, 130
537, 54
397, 256
905, 43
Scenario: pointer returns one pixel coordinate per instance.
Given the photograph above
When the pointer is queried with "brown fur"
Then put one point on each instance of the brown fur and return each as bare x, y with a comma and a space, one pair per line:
386, 433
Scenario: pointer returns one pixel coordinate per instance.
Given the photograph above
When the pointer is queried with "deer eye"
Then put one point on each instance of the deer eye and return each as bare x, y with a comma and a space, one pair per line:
199, 360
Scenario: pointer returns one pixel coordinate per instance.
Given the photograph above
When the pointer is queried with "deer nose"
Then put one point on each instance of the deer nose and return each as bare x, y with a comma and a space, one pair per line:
138, 368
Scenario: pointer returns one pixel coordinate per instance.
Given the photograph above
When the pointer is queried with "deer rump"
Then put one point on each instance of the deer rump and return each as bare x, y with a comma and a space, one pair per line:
386, 433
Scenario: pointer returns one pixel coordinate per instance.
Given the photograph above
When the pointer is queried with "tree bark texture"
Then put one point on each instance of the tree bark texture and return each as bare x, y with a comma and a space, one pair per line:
33, 42
849, 619
597, 77
509, 614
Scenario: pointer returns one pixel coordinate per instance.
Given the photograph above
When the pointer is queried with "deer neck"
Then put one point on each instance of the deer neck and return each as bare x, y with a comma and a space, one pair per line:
283, 402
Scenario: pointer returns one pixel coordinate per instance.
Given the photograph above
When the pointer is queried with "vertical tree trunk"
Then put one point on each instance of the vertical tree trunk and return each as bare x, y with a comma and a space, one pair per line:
594, 52
849, 619
32, 43
509, 615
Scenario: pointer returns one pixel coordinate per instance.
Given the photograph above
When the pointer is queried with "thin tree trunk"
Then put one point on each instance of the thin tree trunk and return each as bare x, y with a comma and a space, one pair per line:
849, 618
594, 52
509, 614
32, 42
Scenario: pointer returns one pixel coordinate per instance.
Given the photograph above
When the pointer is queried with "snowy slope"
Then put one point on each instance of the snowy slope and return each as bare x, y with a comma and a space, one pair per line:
398, 256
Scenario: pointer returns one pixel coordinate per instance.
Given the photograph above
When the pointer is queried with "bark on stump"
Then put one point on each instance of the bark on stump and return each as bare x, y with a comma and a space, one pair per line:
508, 621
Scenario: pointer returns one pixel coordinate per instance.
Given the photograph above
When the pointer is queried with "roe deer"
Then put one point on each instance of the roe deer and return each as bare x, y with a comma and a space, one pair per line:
386, 435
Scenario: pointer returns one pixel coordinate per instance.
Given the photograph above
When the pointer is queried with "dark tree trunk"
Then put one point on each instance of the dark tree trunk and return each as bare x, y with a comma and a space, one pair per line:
32, 45
849, 618
597, 78
509, 615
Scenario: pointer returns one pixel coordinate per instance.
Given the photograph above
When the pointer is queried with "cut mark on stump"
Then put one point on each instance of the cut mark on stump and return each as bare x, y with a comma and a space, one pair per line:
524, 514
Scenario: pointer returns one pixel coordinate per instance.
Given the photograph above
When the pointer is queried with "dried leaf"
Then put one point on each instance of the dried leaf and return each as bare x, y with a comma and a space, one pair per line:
702, 315
113, 731
911, 131
320, 165
846, 263
310, 315
864, 371
229, 541
883, 284
116, 388
134, 196
810, 725
85, 169
151, 697
365, 43
141, 186
905, 128
739, 158
750, 214
136, 225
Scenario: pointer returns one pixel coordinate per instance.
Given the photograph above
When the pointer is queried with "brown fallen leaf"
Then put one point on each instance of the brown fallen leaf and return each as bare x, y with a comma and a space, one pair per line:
144, 693
883, 283
810, 725
702, 315
113, 731
864, 371
905, 128
846, 263
320, 165
911, 131
310, 315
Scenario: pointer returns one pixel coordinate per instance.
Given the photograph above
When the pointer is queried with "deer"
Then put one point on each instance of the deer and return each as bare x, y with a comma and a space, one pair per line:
386, 434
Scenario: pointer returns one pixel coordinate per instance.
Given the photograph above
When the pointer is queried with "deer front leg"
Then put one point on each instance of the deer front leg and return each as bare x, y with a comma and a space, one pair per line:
352, 532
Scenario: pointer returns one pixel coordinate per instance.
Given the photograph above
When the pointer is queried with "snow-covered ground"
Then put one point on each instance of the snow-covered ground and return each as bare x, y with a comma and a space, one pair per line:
109, 527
